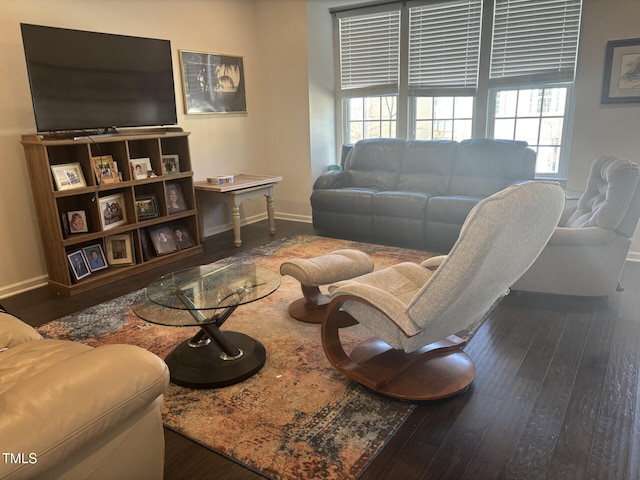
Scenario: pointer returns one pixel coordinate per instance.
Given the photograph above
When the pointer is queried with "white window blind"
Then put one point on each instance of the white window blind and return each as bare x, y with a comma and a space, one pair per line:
535, 38
370, 50
444, 44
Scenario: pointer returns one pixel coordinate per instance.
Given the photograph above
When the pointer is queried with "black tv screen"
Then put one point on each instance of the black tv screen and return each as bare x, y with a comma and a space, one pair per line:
91, 81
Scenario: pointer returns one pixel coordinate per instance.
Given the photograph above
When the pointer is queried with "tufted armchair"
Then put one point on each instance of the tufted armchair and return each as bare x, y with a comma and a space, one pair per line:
587, 251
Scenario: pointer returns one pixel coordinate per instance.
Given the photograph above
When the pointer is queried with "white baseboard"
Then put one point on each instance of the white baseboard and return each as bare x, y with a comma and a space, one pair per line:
24, 286
256, 218
633, 257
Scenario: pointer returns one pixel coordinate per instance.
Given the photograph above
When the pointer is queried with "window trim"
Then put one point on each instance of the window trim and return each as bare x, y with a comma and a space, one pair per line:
484, 93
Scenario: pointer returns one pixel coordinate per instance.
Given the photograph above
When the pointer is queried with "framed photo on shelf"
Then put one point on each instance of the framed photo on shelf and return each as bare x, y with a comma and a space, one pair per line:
146, 207
162, 239
68, 176
105, 169
182, 236
175, 198
170, 164
94, 256
621, 82
141, 168
77, 221
212, 83
112, 211
78, 265
147, 249
119, 249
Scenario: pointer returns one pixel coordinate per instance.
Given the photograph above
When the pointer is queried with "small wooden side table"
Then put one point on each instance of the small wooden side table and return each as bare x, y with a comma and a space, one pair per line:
233, 194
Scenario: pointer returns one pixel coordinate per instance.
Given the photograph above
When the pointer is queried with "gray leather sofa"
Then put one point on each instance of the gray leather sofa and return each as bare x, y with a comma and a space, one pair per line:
415, 192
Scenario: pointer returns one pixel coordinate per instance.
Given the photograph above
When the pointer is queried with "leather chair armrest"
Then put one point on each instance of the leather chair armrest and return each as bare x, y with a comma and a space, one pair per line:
588, 236
101, 387
332, 179
14, 331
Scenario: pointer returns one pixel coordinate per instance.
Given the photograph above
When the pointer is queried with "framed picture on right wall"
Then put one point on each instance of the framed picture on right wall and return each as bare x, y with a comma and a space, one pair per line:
621, 82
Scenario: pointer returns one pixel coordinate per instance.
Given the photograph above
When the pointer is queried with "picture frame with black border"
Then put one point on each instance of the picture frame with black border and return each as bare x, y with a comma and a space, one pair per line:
162, 239
621, 80
175, 198
77, 221
105, 169
212, 83
147, 207
182, 236
119, 249
78, 265
141, 168
170, 164
68, 176
112, 211
147, 249
95, 258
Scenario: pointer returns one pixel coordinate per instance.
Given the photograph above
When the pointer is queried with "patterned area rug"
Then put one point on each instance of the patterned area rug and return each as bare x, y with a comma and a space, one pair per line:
298, 418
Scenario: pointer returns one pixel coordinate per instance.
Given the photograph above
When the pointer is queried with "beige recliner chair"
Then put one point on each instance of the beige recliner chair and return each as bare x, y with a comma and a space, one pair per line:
587, 251
413, 312
68, 410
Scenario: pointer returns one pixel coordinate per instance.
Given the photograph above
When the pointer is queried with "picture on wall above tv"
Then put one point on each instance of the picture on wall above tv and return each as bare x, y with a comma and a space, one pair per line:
84, 80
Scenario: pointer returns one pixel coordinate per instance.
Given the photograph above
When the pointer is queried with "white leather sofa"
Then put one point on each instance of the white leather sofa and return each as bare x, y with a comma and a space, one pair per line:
68, 410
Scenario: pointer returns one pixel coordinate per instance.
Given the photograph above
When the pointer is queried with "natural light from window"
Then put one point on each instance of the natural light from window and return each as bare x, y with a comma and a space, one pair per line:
443, 118
536, 116
371, 117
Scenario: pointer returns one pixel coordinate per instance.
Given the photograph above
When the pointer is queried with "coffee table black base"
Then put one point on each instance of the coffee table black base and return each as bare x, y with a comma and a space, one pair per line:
206, 366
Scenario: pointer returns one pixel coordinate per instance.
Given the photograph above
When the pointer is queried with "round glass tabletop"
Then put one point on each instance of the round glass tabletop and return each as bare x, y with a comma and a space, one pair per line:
180, 298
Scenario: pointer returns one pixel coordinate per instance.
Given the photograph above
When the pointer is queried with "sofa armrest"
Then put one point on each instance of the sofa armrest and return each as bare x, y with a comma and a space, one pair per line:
60, 410
588, 236
14, 331
332, 179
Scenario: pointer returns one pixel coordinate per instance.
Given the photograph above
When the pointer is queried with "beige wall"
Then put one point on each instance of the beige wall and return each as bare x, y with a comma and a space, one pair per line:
289, 129
272, 139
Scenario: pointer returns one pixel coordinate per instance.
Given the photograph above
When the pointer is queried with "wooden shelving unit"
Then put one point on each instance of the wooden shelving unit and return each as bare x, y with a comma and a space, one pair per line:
51, 204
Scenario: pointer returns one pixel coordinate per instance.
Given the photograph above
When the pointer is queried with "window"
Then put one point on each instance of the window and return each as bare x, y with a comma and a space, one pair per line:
371, 117
456, 69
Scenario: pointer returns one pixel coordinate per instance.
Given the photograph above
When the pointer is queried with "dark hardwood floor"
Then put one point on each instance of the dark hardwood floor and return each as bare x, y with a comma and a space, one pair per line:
555, 395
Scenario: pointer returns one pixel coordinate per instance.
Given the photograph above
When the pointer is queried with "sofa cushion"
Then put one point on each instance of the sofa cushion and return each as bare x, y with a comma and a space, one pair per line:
344, 200
399, 204
375, 163
427, 166
485, 166
444, 219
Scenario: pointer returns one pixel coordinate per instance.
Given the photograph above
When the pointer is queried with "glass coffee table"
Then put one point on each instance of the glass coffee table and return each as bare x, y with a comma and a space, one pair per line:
206, 296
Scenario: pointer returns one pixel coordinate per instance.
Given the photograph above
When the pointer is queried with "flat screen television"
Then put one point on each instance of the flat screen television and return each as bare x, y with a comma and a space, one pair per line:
97, 81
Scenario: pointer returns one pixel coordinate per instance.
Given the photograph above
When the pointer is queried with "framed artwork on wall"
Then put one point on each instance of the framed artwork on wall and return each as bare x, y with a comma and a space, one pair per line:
621, 82
212, 83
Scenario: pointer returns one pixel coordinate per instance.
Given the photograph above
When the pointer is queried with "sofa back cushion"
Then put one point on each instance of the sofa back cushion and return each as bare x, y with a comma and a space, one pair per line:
485, 166
427, 166
612, 198
375, 163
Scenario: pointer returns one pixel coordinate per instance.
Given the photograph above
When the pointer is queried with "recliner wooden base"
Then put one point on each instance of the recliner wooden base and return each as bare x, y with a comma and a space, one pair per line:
435, 372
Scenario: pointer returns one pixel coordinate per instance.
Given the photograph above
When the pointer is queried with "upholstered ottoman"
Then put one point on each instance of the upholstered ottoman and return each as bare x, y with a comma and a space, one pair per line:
323, 270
